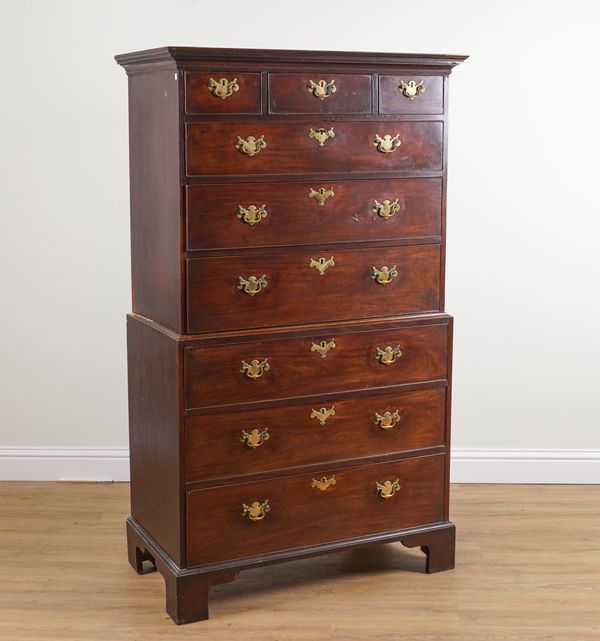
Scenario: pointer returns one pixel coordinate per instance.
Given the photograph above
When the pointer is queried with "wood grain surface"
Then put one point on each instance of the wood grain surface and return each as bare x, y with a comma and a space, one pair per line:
211, 147
296, 292
527, 569
296, 436
213, 376
294, 218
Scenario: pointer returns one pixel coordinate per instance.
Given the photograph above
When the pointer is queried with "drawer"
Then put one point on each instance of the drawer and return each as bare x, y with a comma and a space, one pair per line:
319, 93
223, 92
294, 512
411, 94
251, 441
261, 290
288, 213
288, 148
217, 374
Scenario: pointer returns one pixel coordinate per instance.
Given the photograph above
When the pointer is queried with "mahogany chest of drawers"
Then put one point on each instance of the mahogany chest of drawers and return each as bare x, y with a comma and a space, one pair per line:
289, 355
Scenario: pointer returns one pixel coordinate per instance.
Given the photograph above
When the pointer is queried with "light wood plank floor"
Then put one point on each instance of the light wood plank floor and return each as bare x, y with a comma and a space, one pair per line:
528, 567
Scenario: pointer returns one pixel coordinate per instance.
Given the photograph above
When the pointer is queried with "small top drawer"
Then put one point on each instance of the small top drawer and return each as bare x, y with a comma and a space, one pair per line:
411, 94
319, 93
222, 92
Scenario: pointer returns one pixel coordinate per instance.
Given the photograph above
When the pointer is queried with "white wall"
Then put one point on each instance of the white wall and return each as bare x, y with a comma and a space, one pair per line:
523, 265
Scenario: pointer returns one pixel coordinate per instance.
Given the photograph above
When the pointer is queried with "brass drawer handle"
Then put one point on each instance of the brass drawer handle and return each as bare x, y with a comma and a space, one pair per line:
323, 483
252, 285
323, 347
222, 88
321, 194
388, 355
387, 489
321, 89
252, 215
387, 420
255, 438
411, 89
323, 414
322, 265
251, 145
384, 275
386, 209
387, 144
256, 511
321, 135
255, 368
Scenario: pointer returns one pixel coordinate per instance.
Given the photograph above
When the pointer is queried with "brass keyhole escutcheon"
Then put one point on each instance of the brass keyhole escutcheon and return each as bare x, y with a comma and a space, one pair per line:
388, 355
321, 135
321, 89
252, 215
323, 414
252, 285
222, 88
321, 195
255, 438
384, 275
322, 265
387, 144
323, 347
387, 420
255, 368
251, 145
386, 208
387, 489
323, 483
411, 89
256, 511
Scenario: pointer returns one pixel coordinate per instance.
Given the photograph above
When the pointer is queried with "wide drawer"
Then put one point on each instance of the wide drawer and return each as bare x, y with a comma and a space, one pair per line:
261, 440
290, 213
262, 290
290, 148
326, 93
411, 94
293, 512
275, 368
222, 92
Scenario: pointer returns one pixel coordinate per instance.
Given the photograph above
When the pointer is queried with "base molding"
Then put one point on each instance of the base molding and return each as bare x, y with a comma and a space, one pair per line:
495, 465
187, 589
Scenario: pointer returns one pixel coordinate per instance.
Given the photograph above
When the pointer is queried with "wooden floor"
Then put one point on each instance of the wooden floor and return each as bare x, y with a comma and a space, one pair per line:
528, 567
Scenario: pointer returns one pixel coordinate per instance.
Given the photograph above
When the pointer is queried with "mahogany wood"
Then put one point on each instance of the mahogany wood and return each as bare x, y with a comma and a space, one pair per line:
210, 147
214, 447
289, 94
154, 442
192, 326
156, 277
307, 515
213, 376
293, 218
199, 100
392, 100
298, 293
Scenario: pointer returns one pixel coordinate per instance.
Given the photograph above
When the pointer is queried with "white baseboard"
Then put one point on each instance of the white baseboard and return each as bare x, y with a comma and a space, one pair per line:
525, 466
64, 464
468, 465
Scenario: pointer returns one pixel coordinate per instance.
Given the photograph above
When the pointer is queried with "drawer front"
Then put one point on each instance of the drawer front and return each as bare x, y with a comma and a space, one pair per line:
218, 374
259, 290
290, 213
251, 441
223, 92
411, 95
277, 148
293, 511
319, 93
